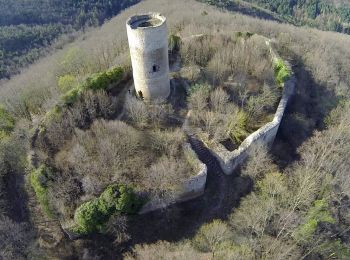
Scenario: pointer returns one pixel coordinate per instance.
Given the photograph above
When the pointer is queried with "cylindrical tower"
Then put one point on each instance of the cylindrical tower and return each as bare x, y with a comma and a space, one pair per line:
148, 42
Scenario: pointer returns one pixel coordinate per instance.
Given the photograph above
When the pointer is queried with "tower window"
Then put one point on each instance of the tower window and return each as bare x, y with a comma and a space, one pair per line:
155, 68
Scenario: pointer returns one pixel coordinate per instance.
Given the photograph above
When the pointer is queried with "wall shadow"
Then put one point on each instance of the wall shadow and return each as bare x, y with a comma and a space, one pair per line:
305, 113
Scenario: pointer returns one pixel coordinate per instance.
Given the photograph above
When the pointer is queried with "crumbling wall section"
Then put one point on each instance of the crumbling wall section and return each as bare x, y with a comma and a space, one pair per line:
229, 161
191, 188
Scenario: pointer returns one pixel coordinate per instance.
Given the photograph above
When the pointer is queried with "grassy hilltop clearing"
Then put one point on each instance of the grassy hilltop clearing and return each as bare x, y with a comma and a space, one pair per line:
80, 154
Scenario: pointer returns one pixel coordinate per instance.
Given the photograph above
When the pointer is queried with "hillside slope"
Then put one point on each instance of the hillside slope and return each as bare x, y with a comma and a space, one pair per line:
28, 28
300, 204
321, 14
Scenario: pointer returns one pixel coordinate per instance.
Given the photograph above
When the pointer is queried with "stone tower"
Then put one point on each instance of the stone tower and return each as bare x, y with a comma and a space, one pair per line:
148, 42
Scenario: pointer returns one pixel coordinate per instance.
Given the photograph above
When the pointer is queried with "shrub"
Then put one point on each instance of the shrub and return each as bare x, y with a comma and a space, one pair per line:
259, 162
273, 185
13, 161
136, 110
199, 50
89, 217
115, 74
335, 248
337, 115
198, 96
218, 100
39, 179
75, 61
71, 96
258, 106
158, 114
92, 216
99, 81
103, 80
119, 159
128, 202
164, 178
56, 128
59, 122
33, 100
164, 250
15, 239
174, 43
117, 227
66, 82
7, 123
52, 114
211, 236
282, 72
92, 105
192, 159
199, 87
244, 35
236, 127
316, 214
220, 67
168, 142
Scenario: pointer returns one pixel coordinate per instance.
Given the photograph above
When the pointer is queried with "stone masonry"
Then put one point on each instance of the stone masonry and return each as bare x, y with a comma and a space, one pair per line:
148, 42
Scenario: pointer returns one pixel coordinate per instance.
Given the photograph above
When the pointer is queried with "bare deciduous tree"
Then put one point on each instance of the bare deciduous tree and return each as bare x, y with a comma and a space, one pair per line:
14, 239
218, 100
211, 236
136, 110
259, 162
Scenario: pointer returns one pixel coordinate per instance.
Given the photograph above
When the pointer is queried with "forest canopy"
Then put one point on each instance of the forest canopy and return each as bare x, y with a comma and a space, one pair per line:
292, 201
26, 31
321, 14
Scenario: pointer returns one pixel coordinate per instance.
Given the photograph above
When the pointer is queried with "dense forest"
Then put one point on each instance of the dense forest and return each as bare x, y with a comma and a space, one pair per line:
27, 28
65, 149
321, 14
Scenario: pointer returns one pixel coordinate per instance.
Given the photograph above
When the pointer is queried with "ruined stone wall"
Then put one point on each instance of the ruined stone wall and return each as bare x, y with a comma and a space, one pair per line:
191, 188
148, 42
229, 161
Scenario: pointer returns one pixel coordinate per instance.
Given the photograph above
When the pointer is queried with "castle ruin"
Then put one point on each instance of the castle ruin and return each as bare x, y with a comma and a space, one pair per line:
148, 42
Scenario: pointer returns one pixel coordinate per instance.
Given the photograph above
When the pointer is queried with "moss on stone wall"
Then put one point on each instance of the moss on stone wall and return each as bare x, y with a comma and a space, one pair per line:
282, 72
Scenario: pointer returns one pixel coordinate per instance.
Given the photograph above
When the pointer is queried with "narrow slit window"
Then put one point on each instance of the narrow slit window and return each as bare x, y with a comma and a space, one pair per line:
155, 68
